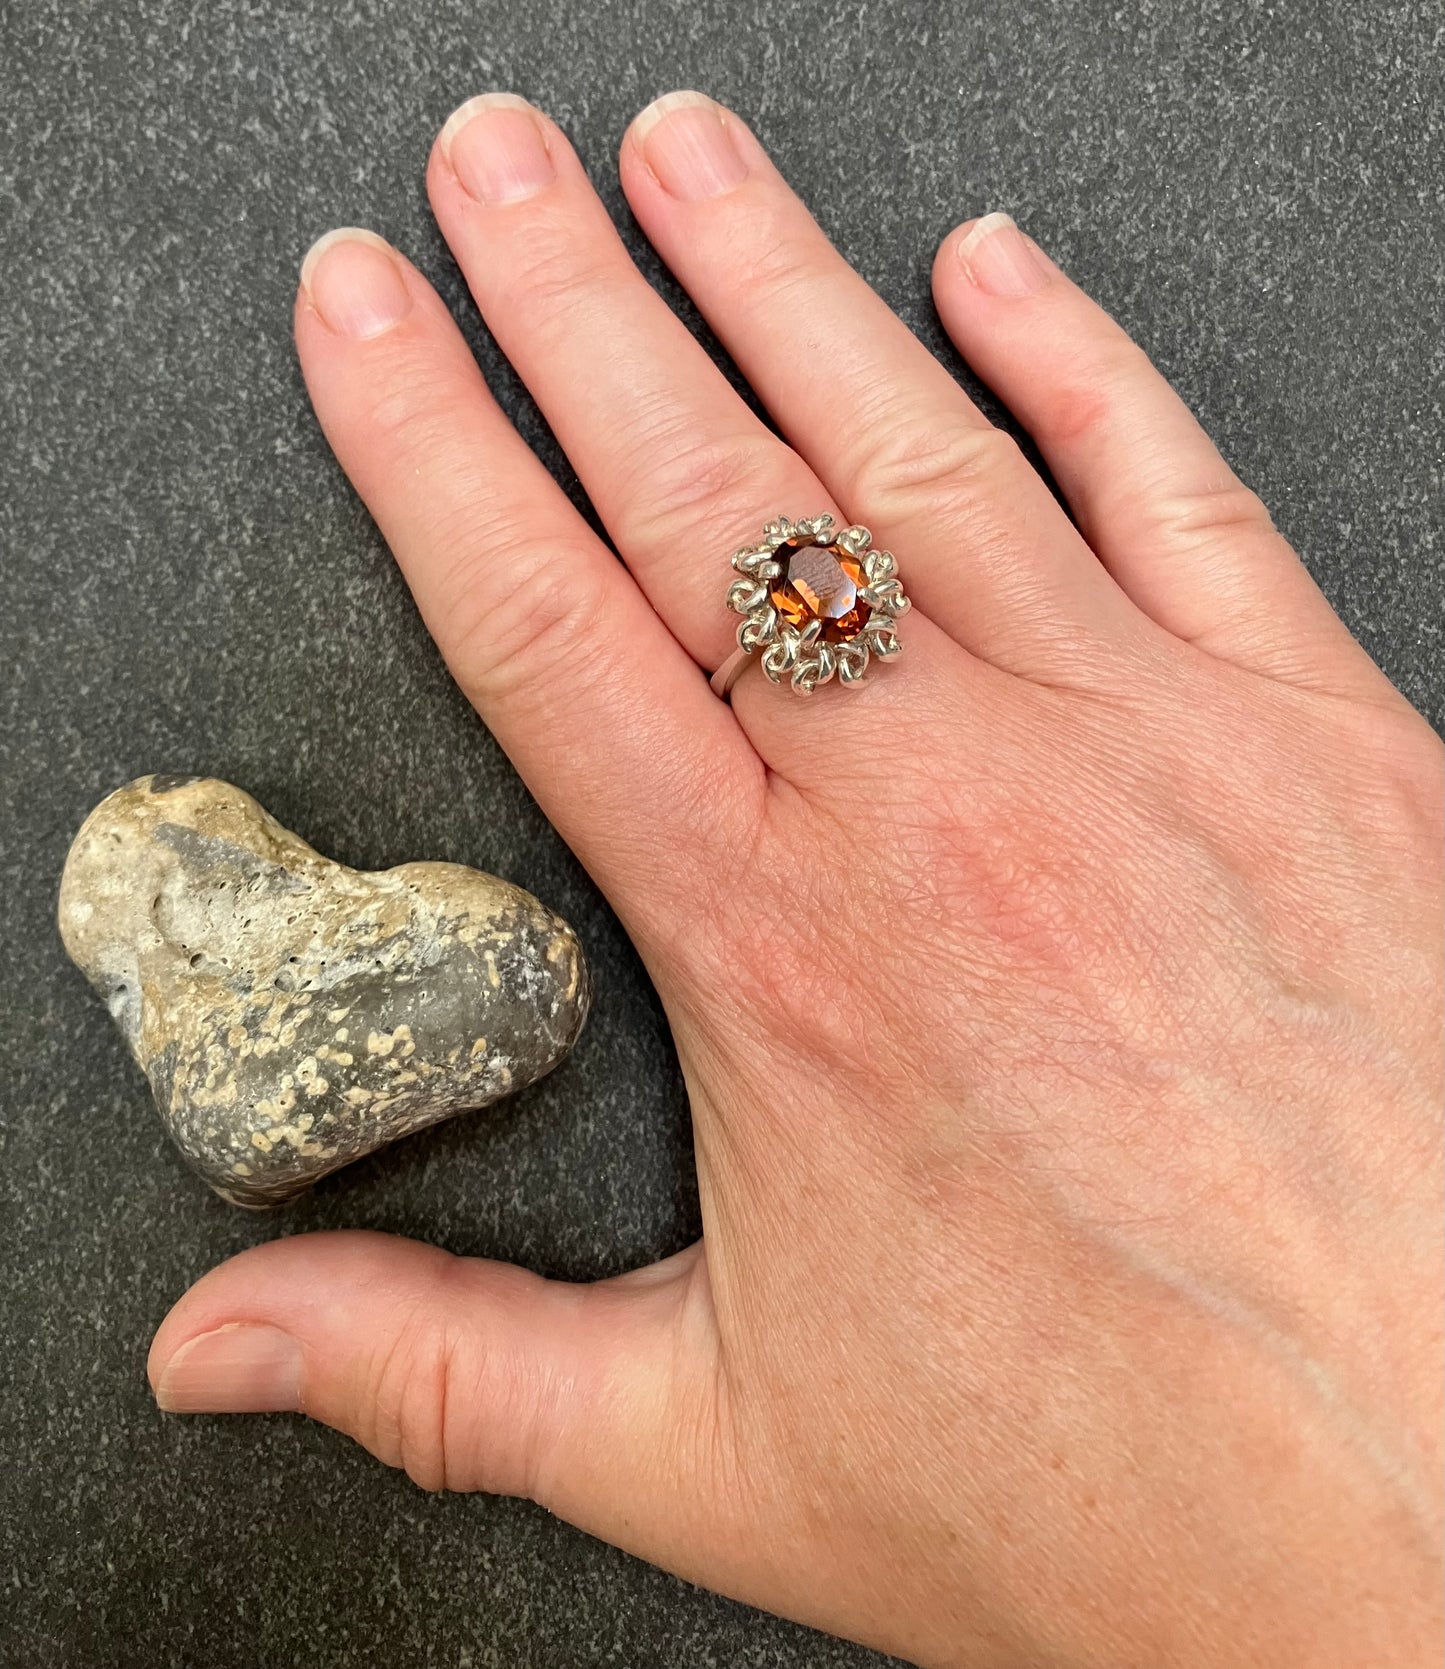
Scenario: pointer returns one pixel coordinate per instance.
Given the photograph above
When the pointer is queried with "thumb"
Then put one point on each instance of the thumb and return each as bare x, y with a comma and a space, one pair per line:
469, 1374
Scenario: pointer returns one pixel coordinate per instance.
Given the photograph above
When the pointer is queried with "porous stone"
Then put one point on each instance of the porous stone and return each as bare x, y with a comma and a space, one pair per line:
290, 1013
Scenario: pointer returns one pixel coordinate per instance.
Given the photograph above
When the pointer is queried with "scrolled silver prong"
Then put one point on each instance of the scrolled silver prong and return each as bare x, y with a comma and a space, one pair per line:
756, 561
852, 662
891, 603
782, 653
744, 595
856, 539
774, 663
882, 638
879, 565
759, 629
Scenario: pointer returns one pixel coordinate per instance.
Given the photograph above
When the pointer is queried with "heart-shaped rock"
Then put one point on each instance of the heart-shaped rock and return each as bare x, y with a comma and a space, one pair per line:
292, 1014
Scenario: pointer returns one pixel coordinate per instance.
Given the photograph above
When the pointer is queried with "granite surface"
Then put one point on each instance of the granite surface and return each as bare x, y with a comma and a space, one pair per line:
190, 586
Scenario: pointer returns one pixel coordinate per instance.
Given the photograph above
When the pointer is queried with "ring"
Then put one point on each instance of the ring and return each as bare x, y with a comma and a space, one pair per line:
813, 603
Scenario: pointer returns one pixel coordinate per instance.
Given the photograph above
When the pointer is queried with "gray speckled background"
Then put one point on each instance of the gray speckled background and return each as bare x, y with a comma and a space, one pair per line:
189, 585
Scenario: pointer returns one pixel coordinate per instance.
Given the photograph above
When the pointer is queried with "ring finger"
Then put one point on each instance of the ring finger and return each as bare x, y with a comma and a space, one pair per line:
1001, 568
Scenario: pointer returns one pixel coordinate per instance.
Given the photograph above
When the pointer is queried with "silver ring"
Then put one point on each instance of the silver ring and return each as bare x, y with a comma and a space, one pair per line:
814, 603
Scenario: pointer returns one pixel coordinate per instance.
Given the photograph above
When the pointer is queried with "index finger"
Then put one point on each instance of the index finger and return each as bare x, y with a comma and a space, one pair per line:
606, 717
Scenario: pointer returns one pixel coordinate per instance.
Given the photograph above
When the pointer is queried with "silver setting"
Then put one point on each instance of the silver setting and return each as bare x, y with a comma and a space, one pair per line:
802, 657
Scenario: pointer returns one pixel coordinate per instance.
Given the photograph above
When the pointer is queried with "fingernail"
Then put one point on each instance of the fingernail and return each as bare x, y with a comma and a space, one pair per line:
687, 142
354, 283
497, 149
243, 1368
1001, 261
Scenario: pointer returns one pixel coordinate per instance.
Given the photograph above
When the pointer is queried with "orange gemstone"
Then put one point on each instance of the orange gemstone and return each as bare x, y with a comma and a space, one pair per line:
820, 582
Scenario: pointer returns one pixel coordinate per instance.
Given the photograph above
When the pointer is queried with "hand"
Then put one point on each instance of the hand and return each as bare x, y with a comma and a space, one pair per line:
1060, 1012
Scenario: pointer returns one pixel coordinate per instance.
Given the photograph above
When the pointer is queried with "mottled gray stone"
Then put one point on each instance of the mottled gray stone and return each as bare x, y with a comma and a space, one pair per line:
290, 1013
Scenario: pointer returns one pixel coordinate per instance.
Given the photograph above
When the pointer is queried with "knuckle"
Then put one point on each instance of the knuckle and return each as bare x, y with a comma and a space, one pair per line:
414, 415
428, 1451
1396, 774
774, 259
552, 274
1093, 386
1214, 506
448, 1407
408, 1403
773, 269
1074, 411
752, 986
713, 826
697, 481
750, 1003
919, 465
506, 640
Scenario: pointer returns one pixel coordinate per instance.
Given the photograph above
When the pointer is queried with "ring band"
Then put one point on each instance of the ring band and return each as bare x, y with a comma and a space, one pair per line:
814, 603
729, 672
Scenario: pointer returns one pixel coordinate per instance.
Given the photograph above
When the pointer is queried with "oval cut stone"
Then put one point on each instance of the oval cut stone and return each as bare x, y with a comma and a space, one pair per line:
820, 582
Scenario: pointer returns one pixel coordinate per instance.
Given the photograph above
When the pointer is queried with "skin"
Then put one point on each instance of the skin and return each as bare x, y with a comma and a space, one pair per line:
1060, 1011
